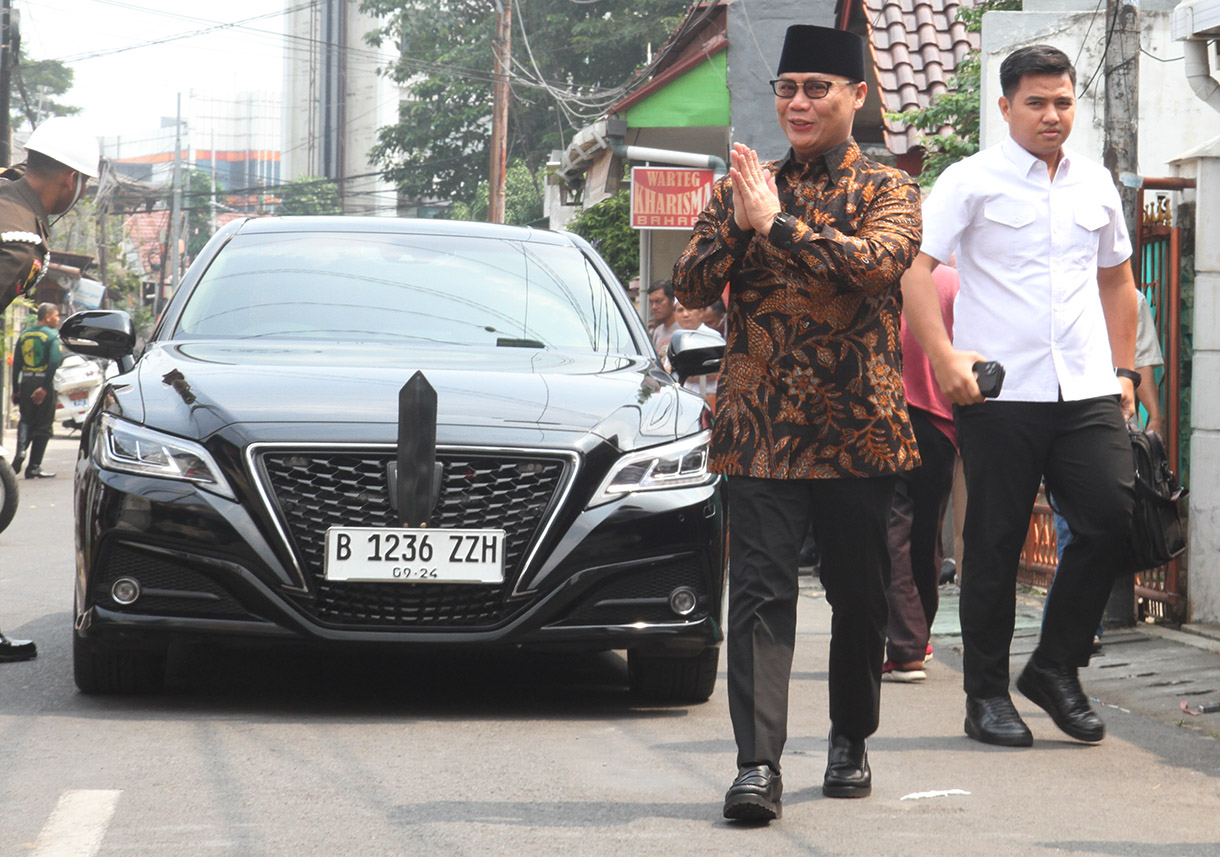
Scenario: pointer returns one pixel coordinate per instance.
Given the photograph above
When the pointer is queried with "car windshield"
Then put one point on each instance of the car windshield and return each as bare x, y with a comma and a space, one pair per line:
453, 290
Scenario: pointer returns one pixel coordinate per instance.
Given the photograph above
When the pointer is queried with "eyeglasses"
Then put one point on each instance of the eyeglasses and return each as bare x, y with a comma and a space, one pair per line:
814, 89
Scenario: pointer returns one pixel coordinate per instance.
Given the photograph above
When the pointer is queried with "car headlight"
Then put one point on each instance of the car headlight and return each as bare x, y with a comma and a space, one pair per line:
129, 448
673, 465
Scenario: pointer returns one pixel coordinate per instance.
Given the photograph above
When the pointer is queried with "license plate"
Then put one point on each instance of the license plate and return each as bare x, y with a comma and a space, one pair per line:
414, 555
79, 397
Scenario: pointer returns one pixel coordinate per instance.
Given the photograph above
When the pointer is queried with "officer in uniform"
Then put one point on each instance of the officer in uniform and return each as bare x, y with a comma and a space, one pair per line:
62, 157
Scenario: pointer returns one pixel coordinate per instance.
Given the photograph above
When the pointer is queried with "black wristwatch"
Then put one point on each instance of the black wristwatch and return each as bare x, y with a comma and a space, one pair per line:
783, 230
1130, 374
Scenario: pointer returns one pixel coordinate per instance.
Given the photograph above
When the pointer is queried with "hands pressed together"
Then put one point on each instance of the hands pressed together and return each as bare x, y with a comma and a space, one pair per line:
755, 198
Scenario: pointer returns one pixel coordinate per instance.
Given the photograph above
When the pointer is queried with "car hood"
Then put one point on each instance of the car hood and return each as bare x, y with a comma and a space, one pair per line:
195, 389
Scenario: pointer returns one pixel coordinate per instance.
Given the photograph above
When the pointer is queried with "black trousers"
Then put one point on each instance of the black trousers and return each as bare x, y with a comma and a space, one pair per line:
920, 499
1082, 450
37, 420
768, 519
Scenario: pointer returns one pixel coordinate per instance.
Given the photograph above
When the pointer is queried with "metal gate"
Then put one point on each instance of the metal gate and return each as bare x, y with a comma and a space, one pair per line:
1161, 591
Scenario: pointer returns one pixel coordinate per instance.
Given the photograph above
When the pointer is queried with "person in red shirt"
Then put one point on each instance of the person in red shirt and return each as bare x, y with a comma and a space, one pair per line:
920, 499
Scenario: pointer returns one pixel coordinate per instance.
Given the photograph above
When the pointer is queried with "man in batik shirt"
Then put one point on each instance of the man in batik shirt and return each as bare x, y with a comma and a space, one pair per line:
811, 424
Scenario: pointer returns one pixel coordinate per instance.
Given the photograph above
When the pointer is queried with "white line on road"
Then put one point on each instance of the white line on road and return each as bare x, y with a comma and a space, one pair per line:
76, 827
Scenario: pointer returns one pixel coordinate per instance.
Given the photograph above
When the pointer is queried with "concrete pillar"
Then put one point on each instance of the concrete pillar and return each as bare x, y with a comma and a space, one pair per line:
1204, 550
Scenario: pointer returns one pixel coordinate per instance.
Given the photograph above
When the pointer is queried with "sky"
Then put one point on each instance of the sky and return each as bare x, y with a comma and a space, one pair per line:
123, 84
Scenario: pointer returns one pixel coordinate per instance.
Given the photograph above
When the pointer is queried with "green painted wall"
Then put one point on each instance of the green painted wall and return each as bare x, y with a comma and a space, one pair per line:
698, 98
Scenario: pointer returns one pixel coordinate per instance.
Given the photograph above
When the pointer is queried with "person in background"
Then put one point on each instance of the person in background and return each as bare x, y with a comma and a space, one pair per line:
714, 316
38, 356
811, 424
920, 499
661, 315
704, 385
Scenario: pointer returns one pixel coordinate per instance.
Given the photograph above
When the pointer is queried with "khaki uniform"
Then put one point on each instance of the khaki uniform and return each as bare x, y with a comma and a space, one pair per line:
24, 252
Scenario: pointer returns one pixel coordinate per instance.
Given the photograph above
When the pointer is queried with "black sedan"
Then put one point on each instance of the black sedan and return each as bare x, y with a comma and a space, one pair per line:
401, 433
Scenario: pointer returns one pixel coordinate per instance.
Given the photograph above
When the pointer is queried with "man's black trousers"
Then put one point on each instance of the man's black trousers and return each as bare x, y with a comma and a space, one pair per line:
37, 419
768, 519
1007, 448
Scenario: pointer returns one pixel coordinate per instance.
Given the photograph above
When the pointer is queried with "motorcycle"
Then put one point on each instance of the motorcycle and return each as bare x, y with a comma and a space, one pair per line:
78, 381
8, 490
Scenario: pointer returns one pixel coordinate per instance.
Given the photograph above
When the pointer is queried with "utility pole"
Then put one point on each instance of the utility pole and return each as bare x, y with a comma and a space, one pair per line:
175, 211
1122, 79
1120, 154
10, 39
212, 213
9, 47
502, 46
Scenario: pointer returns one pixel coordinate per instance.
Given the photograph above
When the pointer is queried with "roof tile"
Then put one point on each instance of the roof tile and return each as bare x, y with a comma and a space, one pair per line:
916, 46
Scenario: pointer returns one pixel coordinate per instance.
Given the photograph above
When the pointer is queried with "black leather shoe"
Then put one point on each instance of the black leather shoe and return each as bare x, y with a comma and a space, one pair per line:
755, 795
16, 650
39, 473
1057, 691
847, 771
994, 720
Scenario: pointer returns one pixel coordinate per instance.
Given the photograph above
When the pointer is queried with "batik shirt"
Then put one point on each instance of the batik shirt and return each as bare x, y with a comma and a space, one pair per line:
811, 383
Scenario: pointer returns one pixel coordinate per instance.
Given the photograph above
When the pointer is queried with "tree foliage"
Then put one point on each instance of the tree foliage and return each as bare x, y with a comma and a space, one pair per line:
197, 206
439, 149
34, 86
309, 195
522, 198
952, 120
607, 226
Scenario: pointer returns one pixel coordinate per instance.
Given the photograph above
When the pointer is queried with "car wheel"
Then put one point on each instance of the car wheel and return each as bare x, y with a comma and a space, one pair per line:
99, 668
662, 678
8, 493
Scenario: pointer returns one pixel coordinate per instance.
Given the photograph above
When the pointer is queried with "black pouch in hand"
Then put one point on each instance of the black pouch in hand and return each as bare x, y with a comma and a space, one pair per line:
1156, 534
990, 378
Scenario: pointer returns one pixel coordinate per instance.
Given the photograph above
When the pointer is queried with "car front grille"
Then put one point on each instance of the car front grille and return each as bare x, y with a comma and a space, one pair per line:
313, 489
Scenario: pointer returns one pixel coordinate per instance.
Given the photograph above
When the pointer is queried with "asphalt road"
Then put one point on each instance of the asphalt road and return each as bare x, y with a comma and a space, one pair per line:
292, 752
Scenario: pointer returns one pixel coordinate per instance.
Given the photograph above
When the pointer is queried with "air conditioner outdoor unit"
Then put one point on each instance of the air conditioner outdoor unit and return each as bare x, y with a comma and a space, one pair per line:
1196, 19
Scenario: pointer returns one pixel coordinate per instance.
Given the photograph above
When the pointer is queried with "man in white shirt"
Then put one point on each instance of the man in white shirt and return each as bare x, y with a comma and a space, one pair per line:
1046, 290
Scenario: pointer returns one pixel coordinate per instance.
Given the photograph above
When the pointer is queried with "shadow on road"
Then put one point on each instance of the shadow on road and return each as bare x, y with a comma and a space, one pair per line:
301, 681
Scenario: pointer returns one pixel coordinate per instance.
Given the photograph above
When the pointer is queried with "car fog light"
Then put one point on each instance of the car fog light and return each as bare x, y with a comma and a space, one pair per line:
126, 591
683, 600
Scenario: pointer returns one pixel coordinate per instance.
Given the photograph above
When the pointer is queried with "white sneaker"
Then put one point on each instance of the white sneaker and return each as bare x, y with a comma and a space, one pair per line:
890, 672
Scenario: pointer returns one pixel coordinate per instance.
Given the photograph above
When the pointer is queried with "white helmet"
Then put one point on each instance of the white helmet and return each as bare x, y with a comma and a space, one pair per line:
69, 141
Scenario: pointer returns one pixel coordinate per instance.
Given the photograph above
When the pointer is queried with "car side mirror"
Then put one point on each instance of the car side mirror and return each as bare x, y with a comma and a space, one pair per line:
695, 352
100, 333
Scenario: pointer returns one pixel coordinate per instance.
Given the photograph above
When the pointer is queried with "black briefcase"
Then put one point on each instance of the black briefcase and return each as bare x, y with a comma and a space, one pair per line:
1156, 535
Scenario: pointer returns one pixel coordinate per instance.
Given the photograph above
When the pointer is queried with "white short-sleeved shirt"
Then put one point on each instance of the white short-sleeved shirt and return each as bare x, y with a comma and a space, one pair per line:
1028, 250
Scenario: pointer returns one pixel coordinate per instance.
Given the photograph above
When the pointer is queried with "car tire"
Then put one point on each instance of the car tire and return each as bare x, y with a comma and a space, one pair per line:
8, 494
669, 679
101, 669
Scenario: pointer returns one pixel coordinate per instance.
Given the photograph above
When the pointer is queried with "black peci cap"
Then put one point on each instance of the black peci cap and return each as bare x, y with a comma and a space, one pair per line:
823, 50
